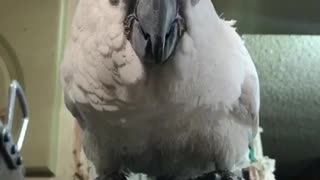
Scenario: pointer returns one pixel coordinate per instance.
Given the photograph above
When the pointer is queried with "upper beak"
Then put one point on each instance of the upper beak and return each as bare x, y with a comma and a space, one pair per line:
157, 29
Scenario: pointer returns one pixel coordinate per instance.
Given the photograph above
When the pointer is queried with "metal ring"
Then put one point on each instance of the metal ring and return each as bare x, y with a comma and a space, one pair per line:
17, 91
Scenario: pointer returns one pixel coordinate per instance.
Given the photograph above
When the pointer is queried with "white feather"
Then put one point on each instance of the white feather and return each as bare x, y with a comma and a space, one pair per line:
176, 119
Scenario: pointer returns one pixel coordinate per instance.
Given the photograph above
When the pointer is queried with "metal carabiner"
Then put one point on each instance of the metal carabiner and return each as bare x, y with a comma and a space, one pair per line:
16, 91
11, 163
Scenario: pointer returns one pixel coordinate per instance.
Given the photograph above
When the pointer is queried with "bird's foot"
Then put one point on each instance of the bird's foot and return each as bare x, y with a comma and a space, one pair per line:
226, 175
113, 176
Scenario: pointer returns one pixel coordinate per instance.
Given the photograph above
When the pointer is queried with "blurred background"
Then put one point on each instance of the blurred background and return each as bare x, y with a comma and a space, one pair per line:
281, 35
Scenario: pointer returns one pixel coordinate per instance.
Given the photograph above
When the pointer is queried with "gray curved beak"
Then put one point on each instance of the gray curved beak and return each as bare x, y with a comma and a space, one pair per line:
156, 30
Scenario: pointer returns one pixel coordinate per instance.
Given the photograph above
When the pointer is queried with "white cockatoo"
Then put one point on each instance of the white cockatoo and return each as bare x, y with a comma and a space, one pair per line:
160, 87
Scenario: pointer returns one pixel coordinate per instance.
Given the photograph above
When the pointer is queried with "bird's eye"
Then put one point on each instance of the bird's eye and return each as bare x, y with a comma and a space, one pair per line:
114, 2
